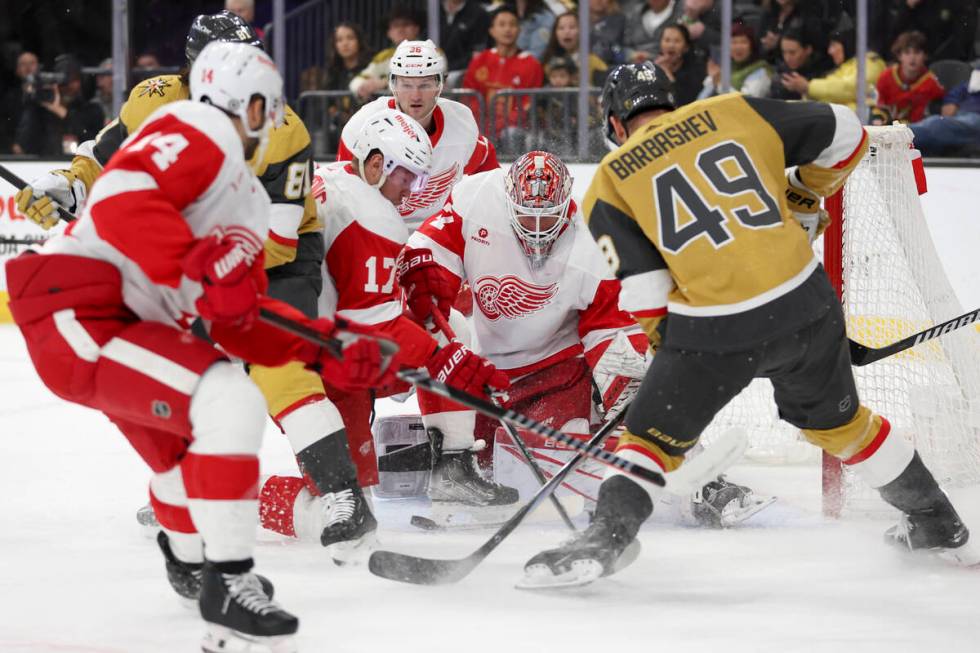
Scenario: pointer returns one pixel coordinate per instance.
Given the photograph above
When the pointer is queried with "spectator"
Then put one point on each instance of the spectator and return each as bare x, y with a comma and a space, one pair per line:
682, 62
147, 61
645, 23
14, 101
751, 74
608, 24
347, 54
959, 122
56, 117
501, 67
563, 43
948, 25
536, 22
790, 15
103, 89
246, 10
402, 24
797, 57
906, 88
840, 85
462, 28
703, 21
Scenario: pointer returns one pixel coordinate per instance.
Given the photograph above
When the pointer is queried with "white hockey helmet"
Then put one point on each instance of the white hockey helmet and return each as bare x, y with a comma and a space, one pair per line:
228, 75
416, 59
401, 141
539, 189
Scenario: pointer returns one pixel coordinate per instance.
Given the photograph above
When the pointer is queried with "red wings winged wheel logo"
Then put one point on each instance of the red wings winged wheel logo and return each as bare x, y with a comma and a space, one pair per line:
511, 297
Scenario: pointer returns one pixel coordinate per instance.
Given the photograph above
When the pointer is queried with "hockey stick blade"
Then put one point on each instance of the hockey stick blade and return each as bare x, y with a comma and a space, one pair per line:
428, 571
863, 355
421, 379
8, 175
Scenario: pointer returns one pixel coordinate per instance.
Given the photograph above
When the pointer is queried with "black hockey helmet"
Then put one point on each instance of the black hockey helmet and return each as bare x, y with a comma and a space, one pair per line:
222, 26
633, 88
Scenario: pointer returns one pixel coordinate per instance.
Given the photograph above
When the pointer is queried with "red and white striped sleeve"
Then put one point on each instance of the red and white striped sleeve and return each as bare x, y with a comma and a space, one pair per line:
602, 319
483, 158
136, 204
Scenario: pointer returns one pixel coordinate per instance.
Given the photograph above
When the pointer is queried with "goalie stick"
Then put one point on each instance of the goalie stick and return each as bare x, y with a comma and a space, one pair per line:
15, 181
447, 331
862, 355
428, 571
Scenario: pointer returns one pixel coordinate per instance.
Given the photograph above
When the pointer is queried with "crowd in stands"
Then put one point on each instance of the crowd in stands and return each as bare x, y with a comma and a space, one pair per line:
919, 66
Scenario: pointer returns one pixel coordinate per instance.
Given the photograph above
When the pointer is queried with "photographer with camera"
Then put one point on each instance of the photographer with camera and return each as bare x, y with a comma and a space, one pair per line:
56, 116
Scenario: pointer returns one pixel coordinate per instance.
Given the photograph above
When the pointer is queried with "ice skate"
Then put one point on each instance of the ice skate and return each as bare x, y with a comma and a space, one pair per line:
241, 617
456, 481
723, 504
603, 549
185, 577
937, 531
349, 527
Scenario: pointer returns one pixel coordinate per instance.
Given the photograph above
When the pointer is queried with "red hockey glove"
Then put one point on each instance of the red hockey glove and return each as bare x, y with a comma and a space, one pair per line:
361, 365
424, 280
232, 280
458, 367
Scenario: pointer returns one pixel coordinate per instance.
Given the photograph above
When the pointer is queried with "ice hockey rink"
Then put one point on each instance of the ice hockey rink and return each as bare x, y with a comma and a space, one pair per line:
78, 575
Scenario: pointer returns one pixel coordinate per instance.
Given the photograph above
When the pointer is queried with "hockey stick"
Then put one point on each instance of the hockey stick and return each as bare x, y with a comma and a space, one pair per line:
420, 378
447, 331
690, 476
427, 571
862, 355
333, 345
19, 184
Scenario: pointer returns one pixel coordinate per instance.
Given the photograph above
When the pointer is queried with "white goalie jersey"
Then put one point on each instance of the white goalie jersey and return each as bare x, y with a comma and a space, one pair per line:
457, 149
525, 318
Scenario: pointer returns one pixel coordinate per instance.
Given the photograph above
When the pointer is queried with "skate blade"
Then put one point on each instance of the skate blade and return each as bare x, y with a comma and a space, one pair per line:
540, 577
454, 515
963, 556
220, 639
354, 553
627, 557
732, 515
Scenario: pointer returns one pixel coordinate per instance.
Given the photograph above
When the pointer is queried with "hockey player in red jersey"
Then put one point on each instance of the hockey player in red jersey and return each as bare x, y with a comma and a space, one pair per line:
172, 230
357, 203
416, 79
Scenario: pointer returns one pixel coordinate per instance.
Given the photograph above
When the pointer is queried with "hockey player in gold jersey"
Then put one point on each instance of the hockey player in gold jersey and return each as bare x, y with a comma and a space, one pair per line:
294, 252
711, 237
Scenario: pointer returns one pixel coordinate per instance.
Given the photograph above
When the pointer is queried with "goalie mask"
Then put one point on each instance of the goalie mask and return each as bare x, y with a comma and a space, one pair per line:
400, 140
539, 190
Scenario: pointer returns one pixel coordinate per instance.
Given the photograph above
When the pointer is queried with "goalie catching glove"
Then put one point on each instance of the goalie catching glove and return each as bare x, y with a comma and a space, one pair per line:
805, 205
39, 202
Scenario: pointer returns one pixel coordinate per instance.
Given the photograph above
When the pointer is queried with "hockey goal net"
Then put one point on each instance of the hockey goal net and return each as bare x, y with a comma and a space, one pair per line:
881, 258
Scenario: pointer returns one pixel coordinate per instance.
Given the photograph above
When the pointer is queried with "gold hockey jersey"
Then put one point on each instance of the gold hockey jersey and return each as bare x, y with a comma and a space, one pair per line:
285, 171
692, 214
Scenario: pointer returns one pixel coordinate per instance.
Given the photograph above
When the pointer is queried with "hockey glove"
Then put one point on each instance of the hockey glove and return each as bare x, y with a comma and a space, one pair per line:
39, 201
360, 366
458, 367
426, 283
619, 372
805, 206
231, 279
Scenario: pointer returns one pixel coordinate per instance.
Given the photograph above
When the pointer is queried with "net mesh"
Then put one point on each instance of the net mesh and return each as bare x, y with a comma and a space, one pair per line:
893, 286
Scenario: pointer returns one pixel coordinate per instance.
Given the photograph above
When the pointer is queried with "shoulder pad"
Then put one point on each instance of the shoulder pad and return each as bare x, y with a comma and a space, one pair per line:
149, 95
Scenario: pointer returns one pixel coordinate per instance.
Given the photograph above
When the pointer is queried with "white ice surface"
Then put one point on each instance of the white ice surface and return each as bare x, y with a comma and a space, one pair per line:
76, 573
